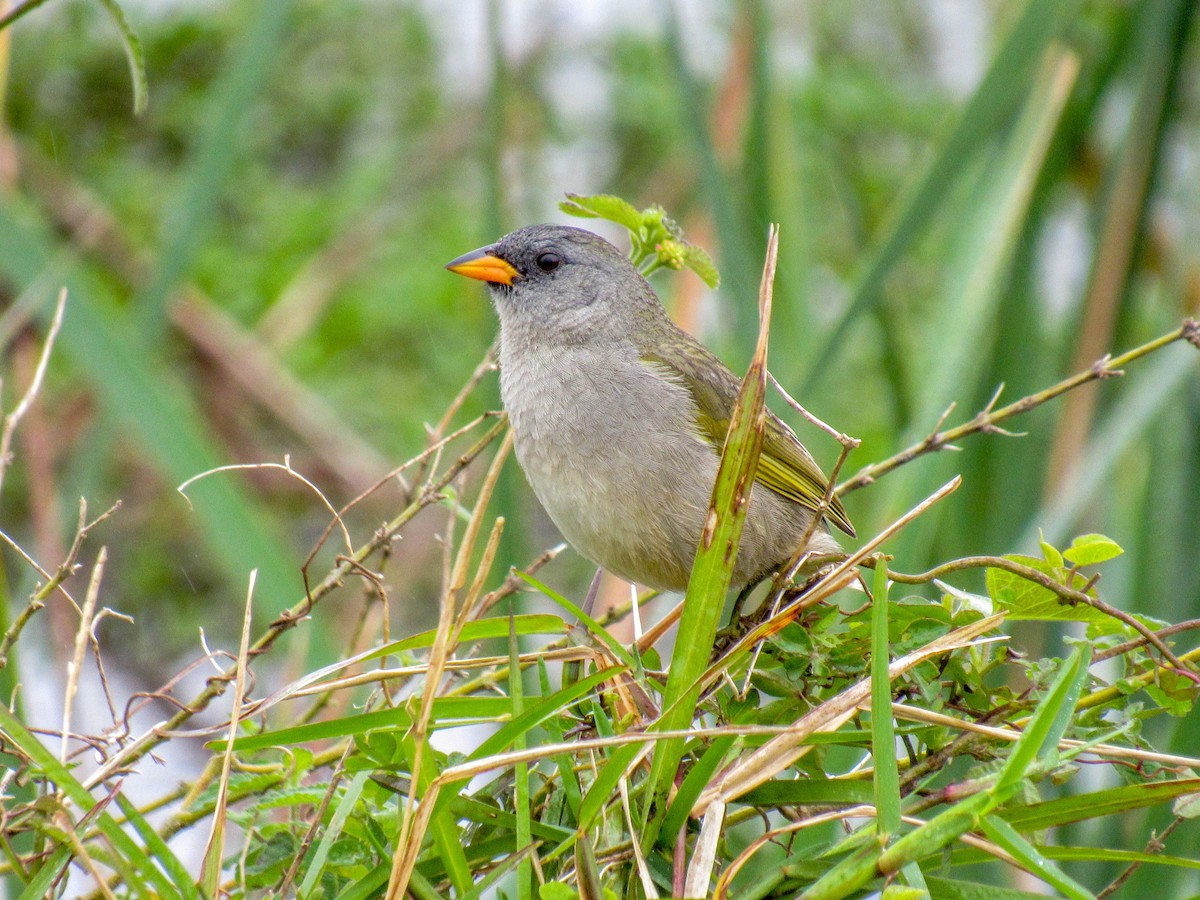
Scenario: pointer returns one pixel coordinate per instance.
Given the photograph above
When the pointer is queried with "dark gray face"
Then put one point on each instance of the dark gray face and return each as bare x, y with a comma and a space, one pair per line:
571, 282
542, 254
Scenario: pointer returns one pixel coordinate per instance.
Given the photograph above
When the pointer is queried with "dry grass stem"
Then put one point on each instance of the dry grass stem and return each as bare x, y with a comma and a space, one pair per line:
13, 419
1011, 734
215, 847
75, 666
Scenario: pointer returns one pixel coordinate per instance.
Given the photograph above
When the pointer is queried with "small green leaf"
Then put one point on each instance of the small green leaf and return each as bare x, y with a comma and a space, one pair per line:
602, 206
1187, 806
696, 259
1174, 692
1051, 554
656, 240
1089, 549
1023, 599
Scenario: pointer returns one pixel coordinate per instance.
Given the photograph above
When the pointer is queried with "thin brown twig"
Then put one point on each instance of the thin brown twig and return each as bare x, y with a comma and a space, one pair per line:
1154, 845
1121, 649
988, 419
486, 365
285, 466
217, 684
1068, 594
318, 820
53, 582
844, 439
409, 495
94, 641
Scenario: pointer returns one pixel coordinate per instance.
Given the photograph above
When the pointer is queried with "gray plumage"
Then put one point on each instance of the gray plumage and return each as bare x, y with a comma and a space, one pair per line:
618, 416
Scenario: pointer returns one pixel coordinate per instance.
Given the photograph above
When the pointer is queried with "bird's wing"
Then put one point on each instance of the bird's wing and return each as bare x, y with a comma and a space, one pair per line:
784, 466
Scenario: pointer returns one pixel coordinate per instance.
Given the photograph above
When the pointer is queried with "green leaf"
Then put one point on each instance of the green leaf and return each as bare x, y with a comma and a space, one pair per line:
1187, 806
1093, 805
603, 206
953, 889
1023, 599
557, 890
1051, 554
696, 259
1175, 692
1089, 549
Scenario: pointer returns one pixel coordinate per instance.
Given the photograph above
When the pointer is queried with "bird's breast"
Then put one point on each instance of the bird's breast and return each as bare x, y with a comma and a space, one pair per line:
611, 451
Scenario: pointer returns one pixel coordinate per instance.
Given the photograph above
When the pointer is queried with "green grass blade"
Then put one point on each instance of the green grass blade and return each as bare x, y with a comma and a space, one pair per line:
126, 857
694, 782
1053, 716
536, 714
133, 53
594, 628
566, 770
158, 848
713, 567
516, 693
332, 832
481, 630
883, 732
39, 886
1096, 804
1007, 837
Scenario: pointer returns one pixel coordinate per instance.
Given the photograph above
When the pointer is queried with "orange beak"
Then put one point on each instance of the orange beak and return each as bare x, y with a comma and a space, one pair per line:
483, 265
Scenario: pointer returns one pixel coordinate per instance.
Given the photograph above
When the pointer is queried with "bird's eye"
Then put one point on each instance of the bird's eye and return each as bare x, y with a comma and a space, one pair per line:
548, 262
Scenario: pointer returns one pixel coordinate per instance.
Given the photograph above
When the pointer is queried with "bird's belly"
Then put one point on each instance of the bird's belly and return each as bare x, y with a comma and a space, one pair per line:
617, 515
627, 496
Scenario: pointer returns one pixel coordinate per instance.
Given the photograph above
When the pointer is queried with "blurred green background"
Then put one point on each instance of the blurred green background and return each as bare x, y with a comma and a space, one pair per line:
971, 193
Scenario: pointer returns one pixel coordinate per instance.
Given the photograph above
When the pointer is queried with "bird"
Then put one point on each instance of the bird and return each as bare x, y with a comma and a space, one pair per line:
619, 416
